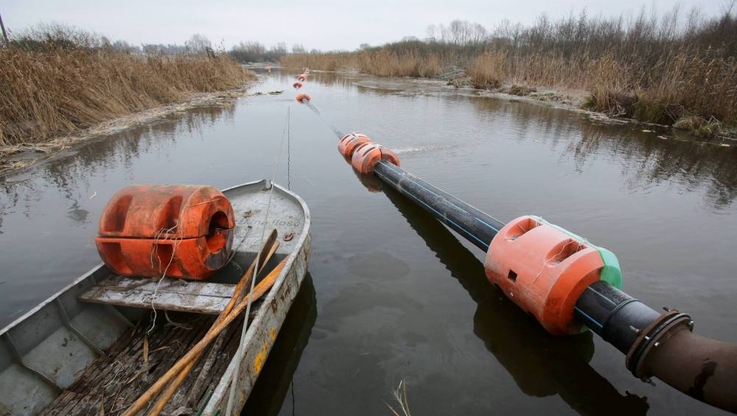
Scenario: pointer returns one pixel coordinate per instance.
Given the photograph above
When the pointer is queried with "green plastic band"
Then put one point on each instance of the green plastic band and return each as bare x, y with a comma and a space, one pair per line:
611, 272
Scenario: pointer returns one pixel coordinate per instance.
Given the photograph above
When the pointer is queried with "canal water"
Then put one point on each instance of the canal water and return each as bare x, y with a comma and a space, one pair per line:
394, 297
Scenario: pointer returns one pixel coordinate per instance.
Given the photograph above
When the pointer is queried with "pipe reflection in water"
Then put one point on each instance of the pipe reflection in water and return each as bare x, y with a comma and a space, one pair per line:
541, 365
275, 381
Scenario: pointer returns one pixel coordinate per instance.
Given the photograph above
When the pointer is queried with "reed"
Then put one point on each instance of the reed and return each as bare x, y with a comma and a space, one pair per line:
53, 85
651, 68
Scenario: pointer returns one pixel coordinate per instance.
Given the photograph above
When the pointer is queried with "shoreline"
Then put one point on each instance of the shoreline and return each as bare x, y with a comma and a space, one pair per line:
14, 159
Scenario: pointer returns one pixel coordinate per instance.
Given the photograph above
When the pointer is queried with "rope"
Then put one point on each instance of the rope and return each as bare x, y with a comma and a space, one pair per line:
239, 353
330, 125
289, 150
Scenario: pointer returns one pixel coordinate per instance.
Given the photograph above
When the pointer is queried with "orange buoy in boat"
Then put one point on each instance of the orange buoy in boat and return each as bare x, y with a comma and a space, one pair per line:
367, 155
348, 144
302, 96
302, 77
183, 231
544, 269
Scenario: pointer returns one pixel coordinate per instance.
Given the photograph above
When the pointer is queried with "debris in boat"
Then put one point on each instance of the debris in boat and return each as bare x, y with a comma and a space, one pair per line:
289, 237
145, 348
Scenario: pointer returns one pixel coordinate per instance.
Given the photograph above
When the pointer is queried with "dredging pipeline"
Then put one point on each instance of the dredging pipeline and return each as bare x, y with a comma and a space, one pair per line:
566, 283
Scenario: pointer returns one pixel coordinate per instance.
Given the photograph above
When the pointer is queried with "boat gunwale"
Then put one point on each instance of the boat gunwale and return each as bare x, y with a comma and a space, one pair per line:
255, 324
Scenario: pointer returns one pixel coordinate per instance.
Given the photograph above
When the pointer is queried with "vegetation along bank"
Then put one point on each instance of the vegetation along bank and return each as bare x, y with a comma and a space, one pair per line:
678, 69
56, 81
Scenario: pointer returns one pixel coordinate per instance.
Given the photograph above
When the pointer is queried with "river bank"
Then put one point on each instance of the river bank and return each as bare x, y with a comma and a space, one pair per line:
15, 158
454, 81
650, 69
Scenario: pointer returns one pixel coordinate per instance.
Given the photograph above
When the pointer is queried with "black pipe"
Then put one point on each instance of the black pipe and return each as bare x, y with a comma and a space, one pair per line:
659, 345
614, 315
475, 226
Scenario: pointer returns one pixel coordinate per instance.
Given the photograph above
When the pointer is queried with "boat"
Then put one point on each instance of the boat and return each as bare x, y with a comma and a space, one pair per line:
97, 345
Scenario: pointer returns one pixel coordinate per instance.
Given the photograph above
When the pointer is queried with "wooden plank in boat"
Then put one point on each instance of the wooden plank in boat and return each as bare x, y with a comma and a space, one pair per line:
172, 294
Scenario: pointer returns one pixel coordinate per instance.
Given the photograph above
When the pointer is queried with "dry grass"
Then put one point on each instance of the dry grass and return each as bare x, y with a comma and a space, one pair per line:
380, 62
654, 69
49, 91
400, 396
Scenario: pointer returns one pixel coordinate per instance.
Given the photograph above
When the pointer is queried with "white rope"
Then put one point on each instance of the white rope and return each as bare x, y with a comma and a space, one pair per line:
157, 238
241, 346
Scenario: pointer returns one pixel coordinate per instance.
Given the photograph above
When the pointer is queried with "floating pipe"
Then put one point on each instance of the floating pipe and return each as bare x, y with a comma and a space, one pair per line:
656, 345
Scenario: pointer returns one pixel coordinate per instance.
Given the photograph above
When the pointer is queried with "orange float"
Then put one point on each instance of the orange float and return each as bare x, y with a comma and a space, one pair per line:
302, 77
297, 85
348, 144
544, 269
367, 155
183, 231
302, 96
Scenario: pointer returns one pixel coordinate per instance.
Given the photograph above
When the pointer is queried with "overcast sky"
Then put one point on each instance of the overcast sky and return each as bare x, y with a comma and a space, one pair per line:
318, 24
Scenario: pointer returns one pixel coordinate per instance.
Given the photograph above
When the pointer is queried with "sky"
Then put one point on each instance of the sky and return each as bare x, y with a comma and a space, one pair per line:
315, 24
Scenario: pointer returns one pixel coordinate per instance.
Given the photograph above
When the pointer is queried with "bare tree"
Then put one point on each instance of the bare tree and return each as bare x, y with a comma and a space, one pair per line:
198, 43
5, 34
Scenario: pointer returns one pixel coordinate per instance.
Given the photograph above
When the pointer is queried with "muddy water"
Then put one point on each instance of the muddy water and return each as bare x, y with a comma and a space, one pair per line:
395, 296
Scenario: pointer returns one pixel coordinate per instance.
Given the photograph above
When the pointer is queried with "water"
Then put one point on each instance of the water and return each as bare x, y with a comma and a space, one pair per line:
396, 295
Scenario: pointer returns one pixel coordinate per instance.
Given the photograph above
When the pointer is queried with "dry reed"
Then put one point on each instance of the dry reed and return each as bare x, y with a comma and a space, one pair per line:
48, 91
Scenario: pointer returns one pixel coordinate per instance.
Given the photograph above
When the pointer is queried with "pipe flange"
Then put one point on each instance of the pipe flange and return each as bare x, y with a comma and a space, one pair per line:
649, 337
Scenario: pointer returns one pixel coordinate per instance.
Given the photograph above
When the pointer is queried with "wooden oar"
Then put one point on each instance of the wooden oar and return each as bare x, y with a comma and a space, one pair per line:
245, 283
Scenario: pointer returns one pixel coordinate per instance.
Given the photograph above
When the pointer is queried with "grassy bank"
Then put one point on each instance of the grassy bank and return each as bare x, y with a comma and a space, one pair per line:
655, 69
58, 81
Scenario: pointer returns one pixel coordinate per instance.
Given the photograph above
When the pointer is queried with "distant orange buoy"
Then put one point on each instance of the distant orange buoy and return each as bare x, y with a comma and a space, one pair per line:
302, 77
302, 96
178, 230
297, 85
367, 155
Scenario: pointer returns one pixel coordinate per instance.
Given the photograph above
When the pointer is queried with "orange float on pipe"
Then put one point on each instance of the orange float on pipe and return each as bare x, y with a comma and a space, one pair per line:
297, 85
544, 270
302, 77
302, 96
183, 231
348, 144
367, 155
